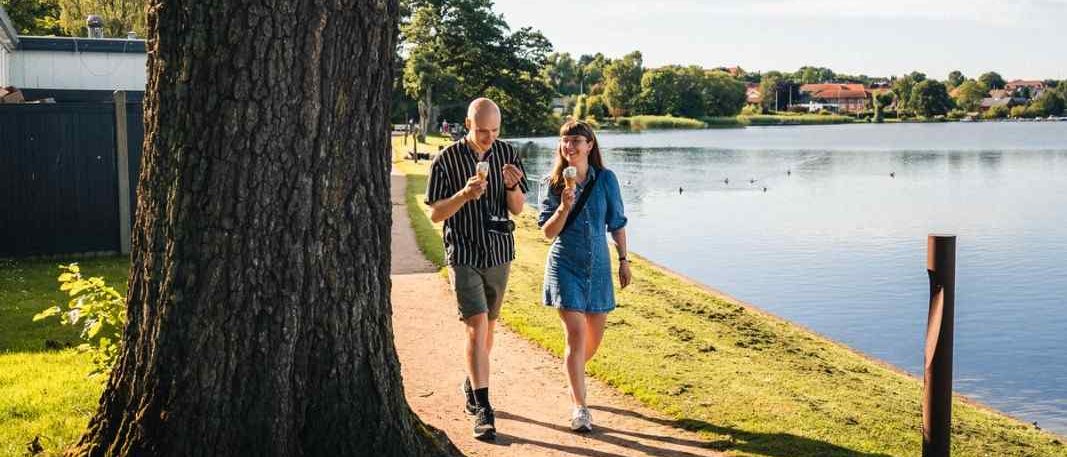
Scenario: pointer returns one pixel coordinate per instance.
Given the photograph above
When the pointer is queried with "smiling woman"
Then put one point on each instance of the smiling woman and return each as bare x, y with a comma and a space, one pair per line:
577, 272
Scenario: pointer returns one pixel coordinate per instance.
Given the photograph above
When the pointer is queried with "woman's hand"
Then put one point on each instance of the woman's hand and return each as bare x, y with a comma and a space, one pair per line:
567, 200
625, 277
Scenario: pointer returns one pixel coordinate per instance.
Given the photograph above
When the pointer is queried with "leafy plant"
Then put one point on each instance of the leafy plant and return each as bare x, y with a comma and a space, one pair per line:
101, 311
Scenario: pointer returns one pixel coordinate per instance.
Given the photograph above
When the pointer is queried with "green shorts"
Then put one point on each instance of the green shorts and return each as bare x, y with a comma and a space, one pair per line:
479, 290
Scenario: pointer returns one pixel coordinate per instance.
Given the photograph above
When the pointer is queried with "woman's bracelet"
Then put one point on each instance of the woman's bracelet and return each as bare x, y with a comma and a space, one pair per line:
623, 259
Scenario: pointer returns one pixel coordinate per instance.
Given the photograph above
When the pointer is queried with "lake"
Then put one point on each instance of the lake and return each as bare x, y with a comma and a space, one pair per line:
837, 241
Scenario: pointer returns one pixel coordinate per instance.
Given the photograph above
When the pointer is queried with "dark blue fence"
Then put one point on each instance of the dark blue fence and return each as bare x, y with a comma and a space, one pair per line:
59, 191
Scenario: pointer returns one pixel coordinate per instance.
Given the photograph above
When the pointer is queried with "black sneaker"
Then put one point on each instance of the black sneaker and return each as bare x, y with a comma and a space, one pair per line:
484, 425
468, 394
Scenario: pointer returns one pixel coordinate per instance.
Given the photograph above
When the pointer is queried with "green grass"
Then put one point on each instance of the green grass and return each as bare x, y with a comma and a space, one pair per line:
44, 390
753, 384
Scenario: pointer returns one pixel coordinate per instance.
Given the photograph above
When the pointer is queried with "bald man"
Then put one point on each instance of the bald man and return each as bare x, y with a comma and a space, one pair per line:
479, 245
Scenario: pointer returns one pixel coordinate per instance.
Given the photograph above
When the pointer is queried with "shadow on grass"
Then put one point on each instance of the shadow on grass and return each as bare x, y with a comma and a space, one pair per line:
765, 444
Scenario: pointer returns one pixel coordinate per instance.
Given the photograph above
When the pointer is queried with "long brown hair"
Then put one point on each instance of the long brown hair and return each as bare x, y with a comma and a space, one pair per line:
572, 128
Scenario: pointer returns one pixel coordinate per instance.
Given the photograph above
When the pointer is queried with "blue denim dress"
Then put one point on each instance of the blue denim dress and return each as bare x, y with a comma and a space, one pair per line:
578, 269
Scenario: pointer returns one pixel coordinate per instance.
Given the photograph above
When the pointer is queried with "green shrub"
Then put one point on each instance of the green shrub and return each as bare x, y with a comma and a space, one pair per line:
996, 112
99, 308
1018, 111
662, 122
749, 110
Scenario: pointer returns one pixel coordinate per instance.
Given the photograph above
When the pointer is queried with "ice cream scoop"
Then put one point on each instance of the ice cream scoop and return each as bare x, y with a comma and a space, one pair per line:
570, 177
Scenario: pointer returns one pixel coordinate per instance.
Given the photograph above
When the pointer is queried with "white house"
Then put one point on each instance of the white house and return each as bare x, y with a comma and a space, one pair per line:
47, 65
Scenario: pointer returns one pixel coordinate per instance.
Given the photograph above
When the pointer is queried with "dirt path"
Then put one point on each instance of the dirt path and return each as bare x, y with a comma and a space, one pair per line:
528, 388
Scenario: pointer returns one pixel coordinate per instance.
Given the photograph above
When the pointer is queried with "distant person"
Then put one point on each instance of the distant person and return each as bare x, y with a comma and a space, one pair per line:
577, 212
479, 244
444, 127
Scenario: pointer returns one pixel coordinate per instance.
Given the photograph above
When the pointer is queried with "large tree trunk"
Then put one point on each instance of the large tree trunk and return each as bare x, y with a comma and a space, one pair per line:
259, 314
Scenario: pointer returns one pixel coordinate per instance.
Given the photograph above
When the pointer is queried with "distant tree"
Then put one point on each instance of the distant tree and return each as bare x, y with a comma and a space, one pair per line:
930, 98
903, 87
955, 79
120, 16
777, 91
660, 91
813, 75
672, 90
581, 109
969, 95
457, 50
723, 94
992, 80
595, 107
880, 100
591, 73
622, 83
34, 17
1049, 103
562, 71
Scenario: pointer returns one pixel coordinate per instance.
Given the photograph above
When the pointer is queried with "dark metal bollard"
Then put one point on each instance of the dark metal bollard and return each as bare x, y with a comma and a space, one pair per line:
937, 374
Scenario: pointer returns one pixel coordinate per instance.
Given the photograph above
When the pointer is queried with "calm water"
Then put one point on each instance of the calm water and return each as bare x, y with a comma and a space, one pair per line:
840, 246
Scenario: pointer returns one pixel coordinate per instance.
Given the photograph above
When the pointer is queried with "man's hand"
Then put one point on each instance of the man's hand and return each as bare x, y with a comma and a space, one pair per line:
474, 189
512, 175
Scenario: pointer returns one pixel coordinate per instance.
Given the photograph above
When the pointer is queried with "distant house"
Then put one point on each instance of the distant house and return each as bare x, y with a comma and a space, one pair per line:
842, 98
559, 105
752, 94
999, 93
70, 68
1007, 102
1030, 89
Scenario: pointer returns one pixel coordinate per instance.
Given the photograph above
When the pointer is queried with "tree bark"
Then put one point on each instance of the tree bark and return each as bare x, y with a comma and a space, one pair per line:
426, 112
259, 315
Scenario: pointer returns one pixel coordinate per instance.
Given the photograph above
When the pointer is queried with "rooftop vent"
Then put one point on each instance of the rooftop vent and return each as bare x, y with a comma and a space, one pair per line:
95, 25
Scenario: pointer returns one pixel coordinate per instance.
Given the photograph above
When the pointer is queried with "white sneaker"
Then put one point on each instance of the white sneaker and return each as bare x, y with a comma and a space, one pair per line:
581, 420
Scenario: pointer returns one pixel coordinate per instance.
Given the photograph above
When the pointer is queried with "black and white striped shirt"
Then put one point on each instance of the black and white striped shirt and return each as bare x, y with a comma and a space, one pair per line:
467, 241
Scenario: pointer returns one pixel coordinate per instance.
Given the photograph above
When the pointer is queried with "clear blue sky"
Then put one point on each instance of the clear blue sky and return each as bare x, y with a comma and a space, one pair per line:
1024, 39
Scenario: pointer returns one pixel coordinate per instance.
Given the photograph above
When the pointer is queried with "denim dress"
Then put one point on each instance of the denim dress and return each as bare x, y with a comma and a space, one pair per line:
578, 269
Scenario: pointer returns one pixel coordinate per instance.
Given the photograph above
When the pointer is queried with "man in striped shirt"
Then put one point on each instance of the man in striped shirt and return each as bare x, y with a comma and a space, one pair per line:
479, 245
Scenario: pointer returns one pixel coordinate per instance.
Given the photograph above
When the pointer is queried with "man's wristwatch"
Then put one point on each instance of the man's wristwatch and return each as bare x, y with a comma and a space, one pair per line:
516, 186
623, 259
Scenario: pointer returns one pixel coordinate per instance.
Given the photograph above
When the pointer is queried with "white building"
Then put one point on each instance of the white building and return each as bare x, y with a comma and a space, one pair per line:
47, 65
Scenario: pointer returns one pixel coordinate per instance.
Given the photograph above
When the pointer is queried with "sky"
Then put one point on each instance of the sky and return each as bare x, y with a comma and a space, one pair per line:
1020, 39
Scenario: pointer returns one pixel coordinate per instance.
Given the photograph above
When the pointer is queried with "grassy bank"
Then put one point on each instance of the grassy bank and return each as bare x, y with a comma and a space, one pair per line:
754, 384
795, 119
658, 122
